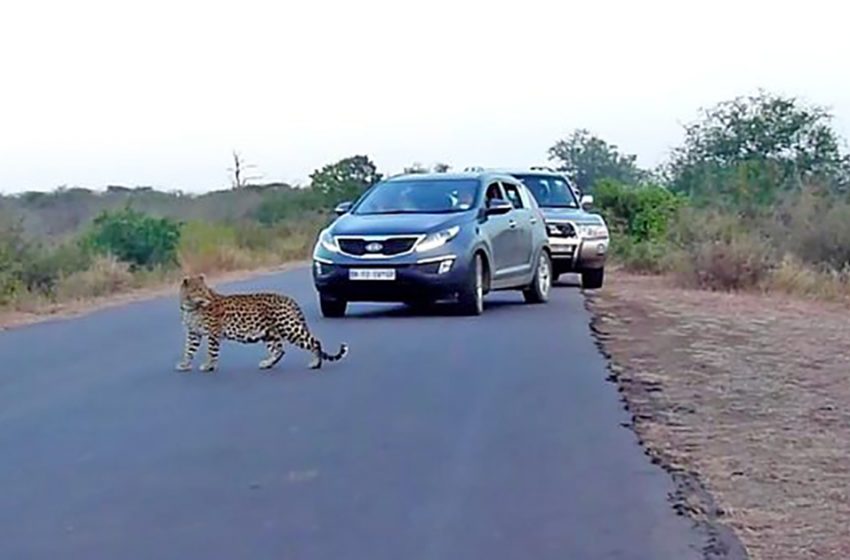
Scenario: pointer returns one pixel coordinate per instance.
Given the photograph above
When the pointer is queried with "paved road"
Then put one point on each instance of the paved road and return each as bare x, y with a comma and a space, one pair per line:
438, 438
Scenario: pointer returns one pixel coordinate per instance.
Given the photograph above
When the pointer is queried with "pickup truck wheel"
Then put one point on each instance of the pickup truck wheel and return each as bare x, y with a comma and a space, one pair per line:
471, 298
593, 278
332, 307
538, 291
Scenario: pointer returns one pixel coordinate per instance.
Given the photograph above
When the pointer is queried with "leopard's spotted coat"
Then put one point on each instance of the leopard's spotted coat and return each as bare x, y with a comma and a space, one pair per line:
247, 318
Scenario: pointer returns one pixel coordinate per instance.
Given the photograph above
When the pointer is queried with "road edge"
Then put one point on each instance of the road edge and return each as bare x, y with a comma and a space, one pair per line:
690, 497
71, 310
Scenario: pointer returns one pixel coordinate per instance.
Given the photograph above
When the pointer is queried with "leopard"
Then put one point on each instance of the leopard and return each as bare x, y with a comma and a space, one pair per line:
247, 318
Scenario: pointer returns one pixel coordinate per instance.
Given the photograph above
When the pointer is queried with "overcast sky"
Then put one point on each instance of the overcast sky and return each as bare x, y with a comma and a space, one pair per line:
158, 92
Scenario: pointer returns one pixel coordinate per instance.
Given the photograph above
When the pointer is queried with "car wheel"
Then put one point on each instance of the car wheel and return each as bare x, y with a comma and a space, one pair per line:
471, 298
538, 291
332, 307
592, 279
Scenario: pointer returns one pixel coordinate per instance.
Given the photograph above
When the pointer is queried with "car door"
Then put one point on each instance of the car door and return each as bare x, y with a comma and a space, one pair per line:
521, 224
497, 229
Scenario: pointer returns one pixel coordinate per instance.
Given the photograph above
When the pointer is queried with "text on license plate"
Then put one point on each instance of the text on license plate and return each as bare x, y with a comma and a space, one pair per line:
371, 274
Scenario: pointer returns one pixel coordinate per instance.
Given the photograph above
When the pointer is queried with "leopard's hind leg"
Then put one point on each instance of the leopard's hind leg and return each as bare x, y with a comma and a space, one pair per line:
302, 338
274, 343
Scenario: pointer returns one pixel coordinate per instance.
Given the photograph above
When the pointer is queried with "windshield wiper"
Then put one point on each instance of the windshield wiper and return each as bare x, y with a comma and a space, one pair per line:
385, 212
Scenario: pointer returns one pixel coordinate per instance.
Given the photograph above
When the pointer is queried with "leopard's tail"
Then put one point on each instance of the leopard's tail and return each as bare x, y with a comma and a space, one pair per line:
343, 351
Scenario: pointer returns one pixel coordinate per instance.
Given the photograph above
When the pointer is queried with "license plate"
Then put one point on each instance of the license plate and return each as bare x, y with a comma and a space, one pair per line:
371, 274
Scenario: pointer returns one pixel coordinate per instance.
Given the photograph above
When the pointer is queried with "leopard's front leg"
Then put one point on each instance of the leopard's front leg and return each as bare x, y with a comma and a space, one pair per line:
190, 346
213, 346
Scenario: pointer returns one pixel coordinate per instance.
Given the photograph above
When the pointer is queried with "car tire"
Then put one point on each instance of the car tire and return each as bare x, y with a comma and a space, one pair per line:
593, 278
332, 307
471, 298
541, 284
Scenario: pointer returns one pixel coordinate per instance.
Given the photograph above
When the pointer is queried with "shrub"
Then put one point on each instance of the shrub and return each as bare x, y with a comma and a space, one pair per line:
106, 275
815, 227
717, 251
135, 238
48, 264
642, 213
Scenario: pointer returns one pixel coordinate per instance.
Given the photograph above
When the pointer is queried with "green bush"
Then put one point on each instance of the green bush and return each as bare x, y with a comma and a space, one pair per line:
135, 238
642, 213
47, 265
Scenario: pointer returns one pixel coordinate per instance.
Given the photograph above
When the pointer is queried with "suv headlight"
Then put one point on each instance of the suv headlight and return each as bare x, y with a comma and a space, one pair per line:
435, 240
592, 231
327, 241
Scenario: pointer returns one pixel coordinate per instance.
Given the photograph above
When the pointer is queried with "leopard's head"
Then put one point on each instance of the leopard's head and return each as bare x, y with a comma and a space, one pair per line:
194, 292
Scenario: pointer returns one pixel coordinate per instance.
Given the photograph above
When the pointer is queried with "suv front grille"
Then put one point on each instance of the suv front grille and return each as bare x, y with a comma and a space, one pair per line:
564, 229
389, 247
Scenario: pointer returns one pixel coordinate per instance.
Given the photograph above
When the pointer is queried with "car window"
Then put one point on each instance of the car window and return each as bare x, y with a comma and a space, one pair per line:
527, 198
550, 191
421, 196
494, 192
512, 192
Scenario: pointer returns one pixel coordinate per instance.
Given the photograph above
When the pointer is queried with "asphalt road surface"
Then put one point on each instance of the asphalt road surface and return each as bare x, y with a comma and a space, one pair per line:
437, 438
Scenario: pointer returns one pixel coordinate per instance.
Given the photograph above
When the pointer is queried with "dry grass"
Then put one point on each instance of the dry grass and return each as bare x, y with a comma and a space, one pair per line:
155, 284
748, 391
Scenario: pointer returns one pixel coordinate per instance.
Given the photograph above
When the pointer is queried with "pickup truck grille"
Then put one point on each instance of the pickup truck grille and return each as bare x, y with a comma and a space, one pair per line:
389, 247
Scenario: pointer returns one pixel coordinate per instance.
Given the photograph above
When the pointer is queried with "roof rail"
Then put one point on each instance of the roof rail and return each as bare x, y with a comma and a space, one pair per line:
542, 168
473, 169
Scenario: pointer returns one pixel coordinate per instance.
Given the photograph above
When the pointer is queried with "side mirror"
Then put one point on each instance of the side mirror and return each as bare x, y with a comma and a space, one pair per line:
498, 206
586, 201
342, 208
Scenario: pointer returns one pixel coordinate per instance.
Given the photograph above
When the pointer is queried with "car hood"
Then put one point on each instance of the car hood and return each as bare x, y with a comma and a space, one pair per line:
572, 214
394, 224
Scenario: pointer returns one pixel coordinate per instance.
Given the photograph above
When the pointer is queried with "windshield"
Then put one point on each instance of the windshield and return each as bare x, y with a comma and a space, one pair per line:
422, 196
550, 191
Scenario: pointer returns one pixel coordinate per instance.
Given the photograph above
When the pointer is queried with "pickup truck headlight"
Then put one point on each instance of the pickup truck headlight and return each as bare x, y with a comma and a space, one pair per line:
593, 231
327, 241
435, 240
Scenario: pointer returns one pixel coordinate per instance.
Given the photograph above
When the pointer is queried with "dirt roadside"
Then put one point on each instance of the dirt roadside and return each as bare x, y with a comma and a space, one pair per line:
66, 310
743, 398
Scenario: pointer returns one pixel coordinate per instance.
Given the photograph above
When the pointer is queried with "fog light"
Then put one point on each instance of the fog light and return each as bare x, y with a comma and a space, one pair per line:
600, 249
322, 267
445, 266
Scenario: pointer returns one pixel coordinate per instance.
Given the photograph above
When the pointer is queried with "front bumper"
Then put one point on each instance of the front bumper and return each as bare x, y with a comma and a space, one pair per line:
415, 279
573, 254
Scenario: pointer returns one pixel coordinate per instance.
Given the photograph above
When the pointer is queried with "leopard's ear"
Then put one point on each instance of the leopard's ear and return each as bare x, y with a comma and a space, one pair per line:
202, 278
185, 281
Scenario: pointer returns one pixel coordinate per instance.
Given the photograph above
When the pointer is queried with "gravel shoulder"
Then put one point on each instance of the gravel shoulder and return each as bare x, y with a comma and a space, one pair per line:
743, 399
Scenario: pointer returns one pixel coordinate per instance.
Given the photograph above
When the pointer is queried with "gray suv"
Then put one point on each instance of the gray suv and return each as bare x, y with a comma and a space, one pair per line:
426, 237
578, 238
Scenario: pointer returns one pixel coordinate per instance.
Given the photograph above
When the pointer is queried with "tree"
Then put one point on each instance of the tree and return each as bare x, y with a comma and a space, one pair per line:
238, 173
586, 159
345, 179
745, 151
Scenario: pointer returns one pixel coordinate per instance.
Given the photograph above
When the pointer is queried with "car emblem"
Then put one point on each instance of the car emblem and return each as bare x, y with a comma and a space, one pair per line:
374, 247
